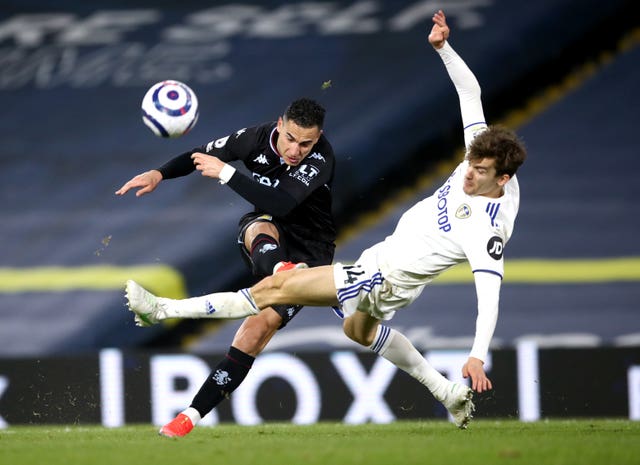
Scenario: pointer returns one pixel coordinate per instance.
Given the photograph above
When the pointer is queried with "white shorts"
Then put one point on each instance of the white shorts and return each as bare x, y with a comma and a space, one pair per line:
361, 287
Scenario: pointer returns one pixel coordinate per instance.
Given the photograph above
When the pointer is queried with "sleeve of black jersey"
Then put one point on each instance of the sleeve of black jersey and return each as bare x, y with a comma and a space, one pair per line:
237, 146
178, 166
294, 187
265, 198
227, 149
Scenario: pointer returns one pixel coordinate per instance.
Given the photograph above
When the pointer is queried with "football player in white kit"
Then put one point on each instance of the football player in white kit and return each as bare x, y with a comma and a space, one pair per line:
469, 218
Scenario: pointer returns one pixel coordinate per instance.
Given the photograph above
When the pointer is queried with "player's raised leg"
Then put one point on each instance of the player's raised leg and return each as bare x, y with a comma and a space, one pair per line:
311, 286
395, 347
150, 309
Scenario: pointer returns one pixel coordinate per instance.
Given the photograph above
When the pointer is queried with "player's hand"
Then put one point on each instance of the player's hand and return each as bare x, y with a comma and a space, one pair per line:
479, 381
208, 165
147, 182
439, 31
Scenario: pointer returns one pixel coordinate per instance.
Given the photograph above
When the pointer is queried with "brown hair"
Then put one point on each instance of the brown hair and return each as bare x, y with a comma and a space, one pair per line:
502, 145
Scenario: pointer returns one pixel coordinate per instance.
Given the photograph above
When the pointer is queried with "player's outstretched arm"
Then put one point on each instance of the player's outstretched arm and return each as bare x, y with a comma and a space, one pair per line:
463, 79
488, 293
145, 182
440, 31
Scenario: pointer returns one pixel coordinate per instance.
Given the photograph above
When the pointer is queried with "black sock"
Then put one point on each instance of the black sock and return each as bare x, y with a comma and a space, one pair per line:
265, 253
223, 380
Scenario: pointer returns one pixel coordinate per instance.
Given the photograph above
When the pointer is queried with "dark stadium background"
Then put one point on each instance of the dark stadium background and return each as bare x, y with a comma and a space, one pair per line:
563, 72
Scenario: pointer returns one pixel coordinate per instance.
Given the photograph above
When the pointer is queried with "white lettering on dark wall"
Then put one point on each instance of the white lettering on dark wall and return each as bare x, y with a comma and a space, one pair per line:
49, 50
111, 388
297, 374
119, 65
633, 383
166, 399
367, 388
175, 378
528, 380
4, 384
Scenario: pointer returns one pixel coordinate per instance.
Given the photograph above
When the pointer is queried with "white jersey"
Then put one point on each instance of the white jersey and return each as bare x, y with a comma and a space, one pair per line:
442, 230
448, 228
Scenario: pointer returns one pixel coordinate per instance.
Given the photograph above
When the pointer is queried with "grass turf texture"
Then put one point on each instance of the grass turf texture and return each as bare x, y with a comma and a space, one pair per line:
431, 442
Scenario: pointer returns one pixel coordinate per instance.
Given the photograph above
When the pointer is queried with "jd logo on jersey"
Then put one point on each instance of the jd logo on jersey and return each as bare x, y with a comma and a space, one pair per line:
495, 247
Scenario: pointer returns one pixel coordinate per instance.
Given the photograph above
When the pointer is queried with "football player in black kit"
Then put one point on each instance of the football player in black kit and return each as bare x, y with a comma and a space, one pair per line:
292, 165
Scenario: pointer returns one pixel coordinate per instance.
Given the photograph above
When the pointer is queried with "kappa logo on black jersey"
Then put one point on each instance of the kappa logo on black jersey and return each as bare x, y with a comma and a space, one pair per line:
305, 173
495, 247
240, 132
262, 159
318, 156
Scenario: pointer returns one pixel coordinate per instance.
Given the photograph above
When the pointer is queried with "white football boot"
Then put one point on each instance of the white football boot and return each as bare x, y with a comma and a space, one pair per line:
147, 308
457, 400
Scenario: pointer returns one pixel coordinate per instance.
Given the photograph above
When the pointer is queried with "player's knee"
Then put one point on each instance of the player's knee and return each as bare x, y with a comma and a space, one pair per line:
268, 322
265, 252
277, 283
356, 333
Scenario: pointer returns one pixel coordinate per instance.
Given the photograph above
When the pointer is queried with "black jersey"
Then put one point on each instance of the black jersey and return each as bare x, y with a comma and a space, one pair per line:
297, 195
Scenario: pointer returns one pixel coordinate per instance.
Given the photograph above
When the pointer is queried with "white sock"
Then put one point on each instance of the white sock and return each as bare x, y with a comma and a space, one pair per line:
193, 415
395, 347
222, 305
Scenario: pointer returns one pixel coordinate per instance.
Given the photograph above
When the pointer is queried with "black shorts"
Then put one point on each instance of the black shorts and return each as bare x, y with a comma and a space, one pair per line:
298, 245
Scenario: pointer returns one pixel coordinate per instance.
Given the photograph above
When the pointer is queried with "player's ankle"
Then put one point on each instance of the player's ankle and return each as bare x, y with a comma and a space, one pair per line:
193, 415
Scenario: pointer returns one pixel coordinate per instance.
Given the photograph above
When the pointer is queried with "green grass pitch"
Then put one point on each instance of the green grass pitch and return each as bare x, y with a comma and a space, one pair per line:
486, 442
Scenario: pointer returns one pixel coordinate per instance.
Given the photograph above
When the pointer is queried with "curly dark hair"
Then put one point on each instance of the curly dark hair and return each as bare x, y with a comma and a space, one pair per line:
306, 113
502, 145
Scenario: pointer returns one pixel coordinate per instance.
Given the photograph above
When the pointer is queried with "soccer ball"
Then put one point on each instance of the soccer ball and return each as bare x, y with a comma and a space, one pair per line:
170, 109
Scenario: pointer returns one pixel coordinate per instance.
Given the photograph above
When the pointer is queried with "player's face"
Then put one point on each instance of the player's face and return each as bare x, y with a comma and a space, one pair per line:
295, 142
481, 179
